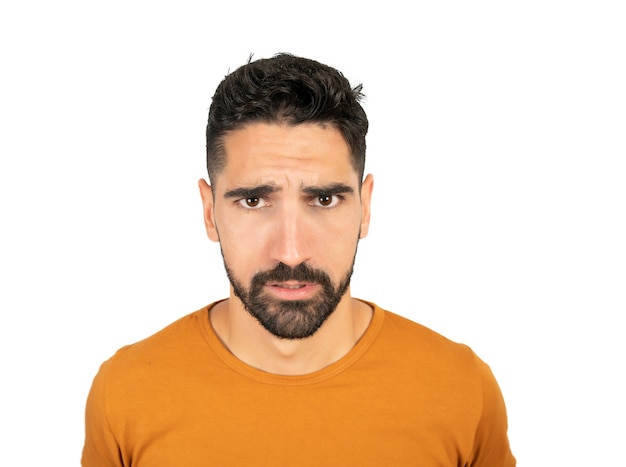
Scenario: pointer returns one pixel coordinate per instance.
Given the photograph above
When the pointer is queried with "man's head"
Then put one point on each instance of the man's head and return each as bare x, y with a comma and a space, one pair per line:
290, 90
287, 203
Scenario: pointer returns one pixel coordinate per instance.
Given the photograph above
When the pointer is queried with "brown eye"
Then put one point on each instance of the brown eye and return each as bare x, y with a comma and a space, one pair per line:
325, 200
252, 202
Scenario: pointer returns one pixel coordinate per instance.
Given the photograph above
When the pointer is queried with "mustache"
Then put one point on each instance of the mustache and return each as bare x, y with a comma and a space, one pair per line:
299, 273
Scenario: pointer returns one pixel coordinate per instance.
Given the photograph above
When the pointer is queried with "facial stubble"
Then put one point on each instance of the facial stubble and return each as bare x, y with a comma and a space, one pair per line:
290, 319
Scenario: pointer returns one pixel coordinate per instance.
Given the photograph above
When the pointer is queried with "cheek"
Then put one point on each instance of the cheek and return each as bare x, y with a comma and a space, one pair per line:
236, 243
341, 251
336, 247
240, 246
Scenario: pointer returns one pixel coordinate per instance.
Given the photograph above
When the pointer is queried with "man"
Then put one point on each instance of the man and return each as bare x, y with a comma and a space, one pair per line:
290, 370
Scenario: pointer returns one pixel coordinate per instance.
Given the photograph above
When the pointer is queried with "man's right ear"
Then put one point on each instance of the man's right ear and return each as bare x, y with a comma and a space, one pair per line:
208, 208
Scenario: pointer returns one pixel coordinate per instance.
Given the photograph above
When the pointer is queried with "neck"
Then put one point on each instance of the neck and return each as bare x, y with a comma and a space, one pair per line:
247, 340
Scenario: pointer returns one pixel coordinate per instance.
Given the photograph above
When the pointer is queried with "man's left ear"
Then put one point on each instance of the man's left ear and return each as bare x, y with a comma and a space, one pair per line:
366, 199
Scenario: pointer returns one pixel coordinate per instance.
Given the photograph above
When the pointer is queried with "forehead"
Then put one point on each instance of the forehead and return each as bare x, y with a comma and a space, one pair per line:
309, 152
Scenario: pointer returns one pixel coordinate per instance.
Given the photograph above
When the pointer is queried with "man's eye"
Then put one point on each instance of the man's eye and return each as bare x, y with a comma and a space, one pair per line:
252, 202
327, 201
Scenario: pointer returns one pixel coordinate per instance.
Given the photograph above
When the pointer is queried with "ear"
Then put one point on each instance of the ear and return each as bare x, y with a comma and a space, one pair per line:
209, 213
366, 201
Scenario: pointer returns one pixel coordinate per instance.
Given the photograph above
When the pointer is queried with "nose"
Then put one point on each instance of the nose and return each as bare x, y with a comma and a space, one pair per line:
292, 237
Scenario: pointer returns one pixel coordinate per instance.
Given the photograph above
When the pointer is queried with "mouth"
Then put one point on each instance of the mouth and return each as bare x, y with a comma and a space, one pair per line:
292, 290
289, 284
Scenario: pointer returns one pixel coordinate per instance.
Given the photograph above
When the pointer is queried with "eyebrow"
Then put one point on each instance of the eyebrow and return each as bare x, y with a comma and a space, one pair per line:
251, 192
334, 189
264, 190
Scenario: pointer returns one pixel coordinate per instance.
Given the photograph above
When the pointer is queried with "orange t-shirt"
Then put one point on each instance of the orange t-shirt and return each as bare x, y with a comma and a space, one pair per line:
403, 396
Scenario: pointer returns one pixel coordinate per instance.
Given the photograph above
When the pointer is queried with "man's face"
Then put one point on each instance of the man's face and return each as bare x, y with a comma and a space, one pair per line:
288, 213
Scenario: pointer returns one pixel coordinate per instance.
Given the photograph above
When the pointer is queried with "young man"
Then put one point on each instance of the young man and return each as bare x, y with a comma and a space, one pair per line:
290, 370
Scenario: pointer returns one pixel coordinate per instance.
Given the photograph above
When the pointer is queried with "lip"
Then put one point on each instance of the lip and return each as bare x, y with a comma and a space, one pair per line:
292, 290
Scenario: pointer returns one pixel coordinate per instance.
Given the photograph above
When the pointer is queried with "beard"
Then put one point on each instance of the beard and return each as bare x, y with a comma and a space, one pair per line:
290, 319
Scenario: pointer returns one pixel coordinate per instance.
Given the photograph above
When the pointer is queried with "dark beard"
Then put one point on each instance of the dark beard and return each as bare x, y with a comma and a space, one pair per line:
291, 319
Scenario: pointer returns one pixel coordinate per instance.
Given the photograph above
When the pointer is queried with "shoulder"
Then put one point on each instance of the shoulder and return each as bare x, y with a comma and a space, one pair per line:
162, 362
162, 350
421, 349
419, 337
444, 378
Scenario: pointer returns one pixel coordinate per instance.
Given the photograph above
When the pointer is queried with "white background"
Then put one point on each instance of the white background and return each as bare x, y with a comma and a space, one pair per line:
497, 143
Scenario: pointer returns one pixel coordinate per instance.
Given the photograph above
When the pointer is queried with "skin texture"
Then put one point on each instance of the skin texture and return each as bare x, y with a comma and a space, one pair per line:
289, 195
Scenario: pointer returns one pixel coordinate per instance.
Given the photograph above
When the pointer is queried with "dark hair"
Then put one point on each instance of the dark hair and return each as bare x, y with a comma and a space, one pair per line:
285, 89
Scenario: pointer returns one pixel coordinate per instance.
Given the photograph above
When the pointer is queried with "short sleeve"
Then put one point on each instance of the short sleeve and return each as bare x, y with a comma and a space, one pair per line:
491, 443
101, 449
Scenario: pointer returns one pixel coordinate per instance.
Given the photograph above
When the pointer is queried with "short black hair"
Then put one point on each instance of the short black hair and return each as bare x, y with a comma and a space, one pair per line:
285, 89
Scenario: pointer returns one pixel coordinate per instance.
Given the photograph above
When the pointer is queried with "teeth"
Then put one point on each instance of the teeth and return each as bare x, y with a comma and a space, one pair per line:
293, 286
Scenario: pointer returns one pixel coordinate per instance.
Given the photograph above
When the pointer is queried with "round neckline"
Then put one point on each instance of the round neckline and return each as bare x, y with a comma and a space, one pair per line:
323, 374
